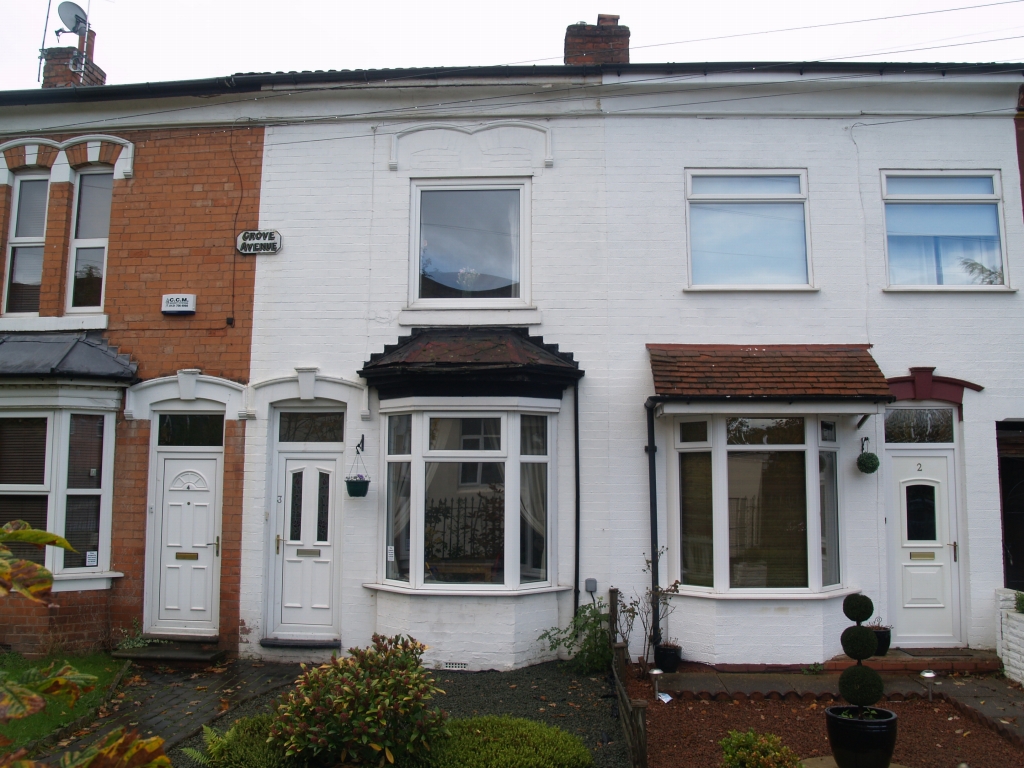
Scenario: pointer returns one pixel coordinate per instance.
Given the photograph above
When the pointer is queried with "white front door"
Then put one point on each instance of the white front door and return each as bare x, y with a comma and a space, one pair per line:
924, 591
304, 546
189, 544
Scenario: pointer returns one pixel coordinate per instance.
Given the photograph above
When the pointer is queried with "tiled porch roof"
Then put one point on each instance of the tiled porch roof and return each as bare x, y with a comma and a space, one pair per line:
767, 372
468, 361
75, 355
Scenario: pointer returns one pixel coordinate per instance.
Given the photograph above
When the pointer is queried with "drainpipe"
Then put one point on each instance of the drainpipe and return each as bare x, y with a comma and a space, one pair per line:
652, 479
576, 437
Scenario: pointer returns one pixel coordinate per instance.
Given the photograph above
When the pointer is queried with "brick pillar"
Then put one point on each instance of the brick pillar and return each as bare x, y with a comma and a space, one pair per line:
130, 505
57, 62
55, 255
231, 533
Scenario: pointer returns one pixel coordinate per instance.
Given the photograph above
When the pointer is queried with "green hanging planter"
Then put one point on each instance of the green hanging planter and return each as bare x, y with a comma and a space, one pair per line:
868, 463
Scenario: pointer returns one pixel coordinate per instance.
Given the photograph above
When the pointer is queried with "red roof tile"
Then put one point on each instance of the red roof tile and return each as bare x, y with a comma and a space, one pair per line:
767, 372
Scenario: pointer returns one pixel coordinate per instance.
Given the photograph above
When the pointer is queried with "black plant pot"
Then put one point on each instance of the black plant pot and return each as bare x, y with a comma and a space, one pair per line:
884, 637
667, 657
861, 743
357, 488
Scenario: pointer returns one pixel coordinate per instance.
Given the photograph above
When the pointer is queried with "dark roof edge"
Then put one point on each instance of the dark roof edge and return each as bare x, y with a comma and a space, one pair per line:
655, 399
255, 81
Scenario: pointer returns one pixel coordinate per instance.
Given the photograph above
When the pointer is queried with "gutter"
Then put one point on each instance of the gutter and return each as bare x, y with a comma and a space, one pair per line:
652, 478
576, 439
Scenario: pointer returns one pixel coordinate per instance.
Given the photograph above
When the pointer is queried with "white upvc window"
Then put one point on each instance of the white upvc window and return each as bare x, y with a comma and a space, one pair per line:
56, 473
26, 241
758, 503
748, 230
944, 230
470, 243
89, 243
469, 499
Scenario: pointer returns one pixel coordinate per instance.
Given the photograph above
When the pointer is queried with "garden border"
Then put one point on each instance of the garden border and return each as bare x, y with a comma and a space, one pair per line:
967, 711
632, 712
50, 739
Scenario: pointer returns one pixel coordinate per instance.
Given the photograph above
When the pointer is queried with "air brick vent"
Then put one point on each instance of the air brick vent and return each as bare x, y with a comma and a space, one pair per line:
456, 665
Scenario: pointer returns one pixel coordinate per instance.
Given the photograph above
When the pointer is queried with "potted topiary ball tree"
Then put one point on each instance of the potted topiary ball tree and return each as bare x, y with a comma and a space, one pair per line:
861, 735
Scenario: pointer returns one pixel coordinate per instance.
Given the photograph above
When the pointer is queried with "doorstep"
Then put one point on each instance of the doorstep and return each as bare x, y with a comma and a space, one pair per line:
176, 651
917, 659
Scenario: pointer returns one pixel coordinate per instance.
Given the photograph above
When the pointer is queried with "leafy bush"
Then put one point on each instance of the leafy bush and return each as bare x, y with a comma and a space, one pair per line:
586, 639
508, 742
859, 685
756, 750
1018, 600
243, 745
371, 707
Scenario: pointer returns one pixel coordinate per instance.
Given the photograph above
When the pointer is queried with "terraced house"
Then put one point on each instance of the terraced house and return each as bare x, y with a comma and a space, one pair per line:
558, 317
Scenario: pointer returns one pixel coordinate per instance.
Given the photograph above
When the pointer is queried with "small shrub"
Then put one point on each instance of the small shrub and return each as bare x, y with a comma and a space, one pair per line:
369, 708
756, 750
586, 639
243, 745
1018, 600
860, 685
508, 742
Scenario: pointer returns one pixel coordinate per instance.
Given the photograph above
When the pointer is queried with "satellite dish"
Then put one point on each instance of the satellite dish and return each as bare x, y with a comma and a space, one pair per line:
74, 18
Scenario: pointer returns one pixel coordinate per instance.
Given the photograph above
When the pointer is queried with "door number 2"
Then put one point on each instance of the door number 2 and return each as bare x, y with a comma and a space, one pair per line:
919, 466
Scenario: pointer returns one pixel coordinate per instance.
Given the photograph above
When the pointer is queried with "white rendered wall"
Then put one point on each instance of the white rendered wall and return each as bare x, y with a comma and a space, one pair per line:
609, 269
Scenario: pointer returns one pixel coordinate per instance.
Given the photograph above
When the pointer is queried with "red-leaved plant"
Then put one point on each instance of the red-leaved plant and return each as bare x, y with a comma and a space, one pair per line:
372, 707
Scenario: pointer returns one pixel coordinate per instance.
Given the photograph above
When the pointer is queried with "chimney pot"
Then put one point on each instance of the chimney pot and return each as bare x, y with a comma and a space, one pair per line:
603, 43
57, 62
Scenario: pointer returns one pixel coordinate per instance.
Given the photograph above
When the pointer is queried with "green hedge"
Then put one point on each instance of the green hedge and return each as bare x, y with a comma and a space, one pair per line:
508, 742
479, 742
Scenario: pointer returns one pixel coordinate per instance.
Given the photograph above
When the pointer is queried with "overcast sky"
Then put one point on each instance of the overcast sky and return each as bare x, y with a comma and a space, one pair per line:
151, 40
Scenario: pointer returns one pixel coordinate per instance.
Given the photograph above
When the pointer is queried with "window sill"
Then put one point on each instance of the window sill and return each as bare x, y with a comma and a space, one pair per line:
751, 289
500, 316
949, 289
829, 595
66, 323
428, 592
84, 582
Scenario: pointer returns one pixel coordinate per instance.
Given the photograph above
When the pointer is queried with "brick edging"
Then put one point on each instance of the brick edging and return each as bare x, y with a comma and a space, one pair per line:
967, 711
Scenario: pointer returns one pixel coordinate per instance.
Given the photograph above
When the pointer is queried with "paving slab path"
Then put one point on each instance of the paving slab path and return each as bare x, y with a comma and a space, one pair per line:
175, 703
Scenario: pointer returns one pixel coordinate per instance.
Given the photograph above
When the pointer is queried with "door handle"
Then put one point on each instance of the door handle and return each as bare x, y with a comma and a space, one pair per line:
216, 547
955, 550
277, 544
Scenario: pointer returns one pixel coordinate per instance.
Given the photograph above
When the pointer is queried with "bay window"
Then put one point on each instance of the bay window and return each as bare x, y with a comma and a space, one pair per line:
467, 499
56, 474
758, 502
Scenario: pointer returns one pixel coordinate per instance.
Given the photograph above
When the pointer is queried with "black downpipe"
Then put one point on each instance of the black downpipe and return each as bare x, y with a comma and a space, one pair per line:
576, 437
652, 478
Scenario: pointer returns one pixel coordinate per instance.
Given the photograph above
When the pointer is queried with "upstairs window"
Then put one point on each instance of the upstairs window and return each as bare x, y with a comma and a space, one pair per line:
470, 243
89, 244
748, 229
943, 229
25, 250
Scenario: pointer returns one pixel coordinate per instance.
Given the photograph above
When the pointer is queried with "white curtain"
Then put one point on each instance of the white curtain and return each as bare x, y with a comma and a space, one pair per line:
533, 509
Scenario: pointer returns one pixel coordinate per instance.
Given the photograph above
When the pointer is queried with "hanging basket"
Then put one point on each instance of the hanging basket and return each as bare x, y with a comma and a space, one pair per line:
358, 480
357, 486
867, 463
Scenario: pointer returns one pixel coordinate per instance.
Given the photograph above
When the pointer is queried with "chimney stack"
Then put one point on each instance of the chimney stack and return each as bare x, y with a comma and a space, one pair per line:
58, 62
605, 43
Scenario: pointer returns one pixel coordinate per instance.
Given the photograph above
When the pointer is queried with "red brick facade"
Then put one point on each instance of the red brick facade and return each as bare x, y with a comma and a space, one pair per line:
172, 230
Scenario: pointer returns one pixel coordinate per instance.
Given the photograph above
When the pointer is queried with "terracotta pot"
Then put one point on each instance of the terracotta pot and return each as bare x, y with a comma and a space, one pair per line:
861, 743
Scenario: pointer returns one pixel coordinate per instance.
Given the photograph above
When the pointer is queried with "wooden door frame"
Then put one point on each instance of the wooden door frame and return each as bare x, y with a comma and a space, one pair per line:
151, 594
893, 530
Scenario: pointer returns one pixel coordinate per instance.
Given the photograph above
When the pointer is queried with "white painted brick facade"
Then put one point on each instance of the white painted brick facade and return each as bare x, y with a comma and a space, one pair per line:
609, 269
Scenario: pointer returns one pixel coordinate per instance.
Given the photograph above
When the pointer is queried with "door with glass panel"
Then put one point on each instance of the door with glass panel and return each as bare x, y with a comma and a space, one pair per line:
184, 532
306, 524
924, 584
